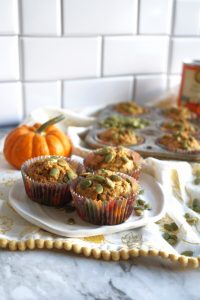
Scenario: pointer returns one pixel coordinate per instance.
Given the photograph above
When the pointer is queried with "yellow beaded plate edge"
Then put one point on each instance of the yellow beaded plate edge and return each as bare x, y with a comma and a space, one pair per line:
97, 253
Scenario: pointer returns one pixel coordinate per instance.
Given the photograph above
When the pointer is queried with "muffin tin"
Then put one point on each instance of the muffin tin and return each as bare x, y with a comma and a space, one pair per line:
150, 135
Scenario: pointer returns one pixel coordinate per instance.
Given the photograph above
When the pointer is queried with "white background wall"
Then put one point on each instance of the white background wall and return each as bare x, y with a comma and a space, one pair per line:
73, 53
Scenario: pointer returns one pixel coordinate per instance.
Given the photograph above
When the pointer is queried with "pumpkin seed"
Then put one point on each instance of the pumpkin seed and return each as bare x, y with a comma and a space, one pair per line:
108, 157
196, 205
62, 162
147, 206
52, 159
141, 192
70, 174
171, 227
99, 188
71, 221
110, 183
54, 172
105, 171
196, 209
115, 178
125, 159
140, 202
98, 178
103, 151
192, 221
138, 212
129, 181
172, 241
170, 238
85, 183
85, 174
65, 179
197, 181
185, 145
187, 253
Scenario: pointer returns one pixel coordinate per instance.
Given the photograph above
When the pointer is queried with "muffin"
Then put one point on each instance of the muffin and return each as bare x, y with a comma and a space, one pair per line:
47, 178
117, 136
180, 141
104, 197
178, 113
118, 121
130, 108
180, 125
116, 159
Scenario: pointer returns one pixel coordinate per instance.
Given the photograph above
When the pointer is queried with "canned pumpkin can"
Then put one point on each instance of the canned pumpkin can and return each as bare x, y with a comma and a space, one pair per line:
189, 93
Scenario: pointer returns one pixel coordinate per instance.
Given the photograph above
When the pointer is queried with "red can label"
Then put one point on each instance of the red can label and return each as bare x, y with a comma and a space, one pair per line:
189, 94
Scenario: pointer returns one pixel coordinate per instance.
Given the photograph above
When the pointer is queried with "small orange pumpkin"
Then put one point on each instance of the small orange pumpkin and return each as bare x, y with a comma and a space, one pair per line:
26, 142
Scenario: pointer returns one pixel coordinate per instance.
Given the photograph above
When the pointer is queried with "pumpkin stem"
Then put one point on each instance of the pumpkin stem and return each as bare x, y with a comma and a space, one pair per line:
55, 120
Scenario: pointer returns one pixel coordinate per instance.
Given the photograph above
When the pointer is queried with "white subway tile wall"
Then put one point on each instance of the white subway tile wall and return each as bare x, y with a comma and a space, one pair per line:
78, 94
154, 86
75, 53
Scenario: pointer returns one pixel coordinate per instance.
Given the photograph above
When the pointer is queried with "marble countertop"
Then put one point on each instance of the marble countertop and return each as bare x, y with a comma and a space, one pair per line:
33, 275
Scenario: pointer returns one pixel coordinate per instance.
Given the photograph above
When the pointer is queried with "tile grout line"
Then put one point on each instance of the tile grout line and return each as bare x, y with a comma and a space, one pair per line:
88, 78
170, 47
102, 57
62, 93
138, 18
61, 15
20, 57
133, 88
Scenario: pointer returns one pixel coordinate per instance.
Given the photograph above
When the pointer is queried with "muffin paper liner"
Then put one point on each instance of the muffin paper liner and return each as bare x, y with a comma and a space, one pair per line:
50, 194
111, 212
135, 173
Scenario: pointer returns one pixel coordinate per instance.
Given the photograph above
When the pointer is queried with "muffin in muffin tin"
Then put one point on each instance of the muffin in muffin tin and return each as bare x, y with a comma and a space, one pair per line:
119, 136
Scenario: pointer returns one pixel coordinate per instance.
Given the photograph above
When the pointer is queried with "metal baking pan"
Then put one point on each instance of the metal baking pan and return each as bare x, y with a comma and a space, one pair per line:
151, 134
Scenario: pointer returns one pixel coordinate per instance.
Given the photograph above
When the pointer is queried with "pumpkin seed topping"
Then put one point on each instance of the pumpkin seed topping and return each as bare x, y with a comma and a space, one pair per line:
115, 178
187, 253
129, 181
110, 183
99, 188
52, 159
103, 151
54, 172
125, 159
196, 205
170, 238
108, 157
62, 162
71, 221
190, 219
197, 181
85, 183
70, 175
171, 227
98, 178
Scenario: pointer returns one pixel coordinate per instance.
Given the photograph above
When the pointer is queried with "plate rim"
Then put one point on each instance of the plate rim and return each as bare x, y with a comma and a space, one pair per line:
93, 231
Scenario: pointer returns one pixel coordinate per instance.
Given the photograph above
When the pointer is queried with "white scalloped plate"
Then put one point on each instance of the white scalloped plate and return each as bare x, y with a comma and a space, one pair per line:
56, 220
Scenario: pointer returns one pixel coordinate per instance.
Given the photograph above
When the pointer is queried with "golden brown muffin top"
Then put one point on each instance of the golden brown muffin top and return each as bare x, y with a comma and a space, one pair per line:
180, 125
119, 136
180, 141
130, 108
51, 170
178, 113
106, 185
117, 159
